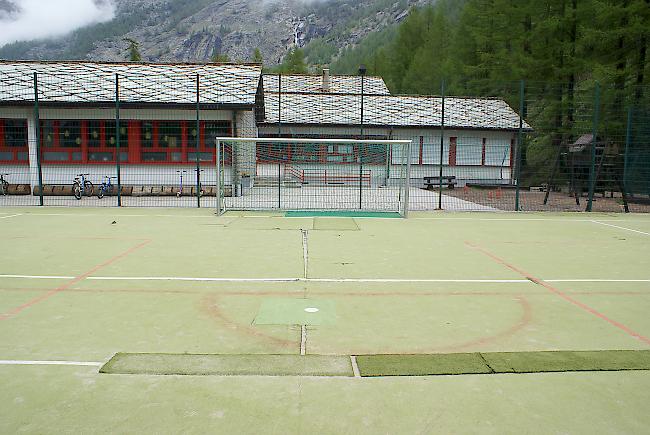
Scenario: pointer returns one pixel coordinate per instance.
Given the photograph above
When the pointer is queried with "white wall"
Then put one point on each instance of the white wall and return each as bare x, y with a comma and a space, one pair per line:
131, 174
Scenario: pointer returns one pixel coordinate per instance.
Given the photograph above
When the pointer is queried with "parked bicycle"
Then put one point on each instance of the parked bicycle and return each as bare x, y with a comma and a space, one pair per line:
4, 185
179, 193
81, 186
106, 188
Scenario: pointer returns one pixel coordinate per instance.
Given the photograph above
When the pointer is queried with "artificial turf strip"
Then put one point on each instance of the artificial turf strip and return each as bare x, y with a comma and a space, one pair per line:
422, 365
342, 213
502, 362
233, 365
568, 361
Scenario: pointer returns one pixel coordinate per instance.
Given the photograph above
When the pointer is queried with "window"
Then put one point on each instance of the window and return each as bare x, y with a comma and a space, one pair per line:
111, 136
70, 134
431, 151
469, 151
13, 140
15, 132
497, 152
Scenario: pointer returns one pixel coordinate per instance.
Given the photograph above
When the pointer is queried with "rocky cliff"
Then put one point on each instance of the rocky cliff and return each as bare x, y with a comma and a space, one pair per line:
196, 30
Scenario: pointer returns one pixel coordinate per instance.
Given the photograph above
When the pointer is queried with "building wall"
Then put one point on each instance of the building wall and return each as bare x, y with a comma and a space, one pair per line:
472, 156
133, 172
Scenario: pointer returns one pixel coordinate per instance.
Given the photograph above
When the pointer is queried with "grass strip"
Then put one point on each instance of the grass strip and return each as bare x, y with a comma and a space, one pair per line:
421, 365
568, 361
341, 213
234, 365
503, 362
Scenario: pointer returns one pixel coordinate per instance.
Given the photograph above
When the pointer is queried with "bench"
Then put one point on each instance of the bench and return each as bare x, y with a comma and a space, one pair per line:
432, 182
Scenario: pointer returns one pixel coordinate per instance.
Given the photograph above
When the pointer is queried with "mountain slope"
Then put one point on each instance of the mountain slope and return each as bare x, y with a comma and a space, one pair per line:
195, 30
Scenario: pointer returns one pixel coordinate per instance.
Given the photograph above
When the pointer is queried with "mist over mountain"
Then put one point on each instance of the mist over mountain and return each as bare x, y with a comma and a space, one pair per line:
22, 20
197, 30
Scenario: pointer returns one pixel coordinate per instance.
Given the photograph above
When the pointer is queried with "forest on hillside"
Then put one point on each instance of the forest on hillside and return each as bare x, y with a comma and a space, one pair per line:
556, 59
470, 43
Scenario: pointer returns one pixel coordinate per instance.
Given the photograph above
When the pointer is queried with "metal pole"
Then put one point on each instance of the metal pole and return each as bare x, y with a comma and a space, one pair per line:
362, 71
37, 122
198, 143
117, 140
280, 135
407, 185
628, 140
218, 178
279, 105
592, 167
442, 143
520, 135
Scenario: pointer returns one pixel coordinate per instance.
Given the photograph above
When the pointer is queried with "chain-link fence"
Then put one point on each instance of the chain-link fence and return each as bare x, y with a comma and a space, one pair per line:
85, 134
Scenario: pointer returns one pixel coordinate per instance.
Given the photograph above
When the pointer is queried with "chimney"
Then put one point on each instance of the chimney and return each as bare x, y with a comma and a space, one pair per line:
326, 80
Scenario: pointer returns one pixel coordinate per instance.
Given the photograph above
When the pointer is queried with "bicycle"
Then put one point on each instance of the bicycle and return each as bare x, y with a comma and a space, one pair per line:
4, 185
180, 185
81, 186
106, 187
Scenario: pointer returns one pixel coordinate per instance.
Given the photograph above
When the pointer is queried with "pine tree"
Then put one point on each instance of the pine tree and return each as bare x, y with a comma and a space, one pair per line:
257, 56
134, 50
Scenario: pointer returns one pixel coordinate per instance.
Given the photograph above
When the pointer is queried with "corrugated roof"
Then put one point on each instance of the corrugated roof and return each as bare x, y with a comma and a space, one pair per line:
85, 82
314, 84
389, 110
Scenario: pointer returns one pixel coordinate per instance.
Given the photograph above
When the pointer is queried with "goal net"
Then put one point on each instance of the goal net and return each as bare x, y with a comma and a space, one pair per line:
313, 174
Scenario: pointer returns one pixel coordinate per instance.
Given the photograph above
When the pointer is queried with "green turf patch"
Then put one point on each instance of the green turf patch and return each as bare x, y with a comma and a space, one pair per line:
503, 362
568, 361
421, 365
342, 213
228, 365
335, 224
288, 311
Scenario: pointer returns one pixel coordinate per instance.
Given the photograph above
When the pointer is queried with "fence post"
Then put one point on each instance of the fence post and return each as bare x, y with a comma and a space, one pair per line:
520, 136
628, 140
280, 135
362, 71
117, 140
442, 144
219, 169
592, 165
37, 123
198, 143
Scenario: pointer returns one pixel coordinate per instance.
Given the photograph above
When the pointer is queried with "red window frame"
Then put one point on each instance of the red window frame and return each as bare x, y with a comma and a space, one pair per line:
14, 150
132, 147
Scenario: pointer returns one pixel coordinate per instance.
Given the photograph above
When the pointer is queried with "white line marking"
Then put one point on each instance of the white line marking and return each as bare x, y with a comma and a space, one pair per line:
397, 280
621, 228
332, 280
335, 280
118, 215
596, 280
355, 367
305, 253
50, 363
303, 340
10, 216
37, 276
183, 278
522, 219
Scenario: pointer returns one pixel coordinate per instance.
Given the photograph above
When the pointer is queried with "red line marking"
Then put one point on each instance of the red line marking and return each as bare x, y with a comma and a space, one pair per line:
210, 305
560, 293
70, 283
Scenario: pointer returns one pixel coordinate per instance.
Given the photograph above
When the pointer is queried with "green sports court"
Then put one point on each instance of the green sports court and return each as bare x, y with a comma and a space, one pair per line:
138, 320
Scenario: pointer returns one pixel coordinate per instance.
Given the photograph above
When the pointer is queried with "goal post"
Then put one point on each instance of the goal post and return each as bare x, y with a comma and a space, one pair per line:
337, 174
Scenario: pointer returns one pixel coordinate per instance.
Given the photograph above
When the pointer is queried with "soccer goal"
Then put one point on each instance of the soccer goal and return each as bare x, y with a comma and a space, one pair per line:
313, 174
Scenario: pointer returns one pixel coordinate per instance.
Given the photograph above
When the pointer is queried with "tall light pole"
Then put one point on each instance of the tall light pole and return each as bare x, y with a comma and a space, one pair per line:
362, 73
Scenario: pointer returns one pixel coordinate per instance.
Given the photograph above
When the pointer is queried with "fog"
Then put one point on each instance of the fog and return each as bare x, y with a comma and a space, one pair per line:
24, 20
